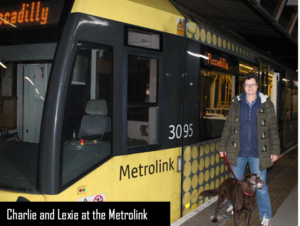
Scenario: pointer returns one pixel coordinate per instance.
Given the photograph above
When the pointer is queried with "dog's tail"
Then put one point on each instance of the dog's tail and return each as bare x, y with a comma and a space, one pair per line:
210, 192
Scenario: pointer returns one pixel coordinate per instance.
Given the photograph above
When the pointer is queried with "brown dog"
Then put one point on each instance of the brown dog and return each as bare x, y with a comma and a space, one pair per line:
240, 193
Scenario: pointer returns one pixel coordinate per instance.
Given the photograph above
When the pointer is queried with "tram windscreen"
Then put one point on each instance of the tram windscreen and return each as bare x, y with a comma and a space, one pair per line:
22, 95
87, 121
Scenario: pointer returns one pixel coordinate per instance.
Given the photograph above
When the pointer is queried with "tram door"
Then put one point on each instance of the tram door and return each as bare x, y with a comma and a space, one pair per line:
269, 82
272, 88
32, 85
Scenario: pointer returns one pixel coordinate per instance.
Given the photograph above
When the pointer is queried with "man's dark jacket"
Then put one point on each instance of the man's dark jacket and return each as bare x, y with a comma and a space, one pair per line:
268, 137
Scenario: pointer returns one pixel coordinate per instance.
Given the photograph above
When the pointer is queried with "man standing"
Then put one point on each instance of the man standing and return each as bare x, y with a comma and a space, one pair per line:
250, 135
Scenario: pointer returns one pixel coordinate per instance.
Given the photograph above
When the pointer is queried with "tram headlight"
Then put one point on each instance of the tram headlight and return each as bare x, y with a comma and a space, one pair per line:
179, 164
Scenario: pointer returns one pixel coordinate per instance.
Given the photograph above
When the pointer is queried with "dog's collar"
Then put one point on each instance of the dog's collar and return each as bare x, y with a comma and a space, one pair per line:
248, 193
240, 182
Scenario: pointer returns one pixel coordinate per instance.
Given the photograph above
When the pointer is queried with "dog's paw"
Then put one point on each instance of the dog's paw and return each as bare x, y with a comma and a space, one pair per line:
214, 220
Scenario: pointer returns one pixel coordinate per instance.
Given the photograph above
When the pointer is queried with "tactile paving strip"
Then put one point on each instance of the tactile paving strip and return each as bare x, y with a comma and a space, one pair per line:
279, 189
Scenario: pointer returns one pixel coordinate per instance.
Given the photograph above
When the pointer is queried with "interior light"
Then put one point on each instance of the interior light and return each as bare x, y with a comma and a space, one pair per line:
29, 80
244, 71
242, 65
295, 83
3, 65
197, 55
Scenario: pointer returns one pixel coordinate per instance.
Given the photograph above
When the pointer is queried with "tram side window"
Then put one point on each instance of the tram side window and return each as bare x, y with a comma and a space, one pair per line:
216, 92
8, 97
87, 121
142, 108
288, 103
294, 105
283, 100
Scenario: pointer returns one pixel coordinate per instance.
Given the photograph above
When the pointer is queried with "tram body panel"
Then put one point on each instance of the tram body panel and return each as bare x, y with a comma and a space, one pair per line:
151, 176
80, 28
9, 196
160, 15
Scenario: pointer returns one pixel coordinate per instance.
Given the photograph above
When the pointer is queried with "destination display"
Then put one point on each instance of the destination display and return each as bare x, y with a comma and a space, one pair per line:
218, 60
35, 13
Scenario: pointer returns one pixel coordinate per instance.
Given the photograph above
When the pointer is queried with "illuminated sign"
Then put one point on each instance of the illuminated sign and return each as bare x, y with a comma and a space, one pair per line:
35, 13
219, 62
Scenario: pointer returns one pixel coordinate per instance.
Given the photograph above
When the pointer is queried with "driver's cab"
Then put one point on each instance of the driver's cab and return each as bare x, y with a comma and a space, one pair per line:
86, 132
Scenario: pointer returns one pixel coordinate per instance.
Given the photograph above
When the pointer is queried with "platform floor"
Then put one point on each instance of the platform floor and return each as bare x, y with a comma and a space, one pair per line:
282, 180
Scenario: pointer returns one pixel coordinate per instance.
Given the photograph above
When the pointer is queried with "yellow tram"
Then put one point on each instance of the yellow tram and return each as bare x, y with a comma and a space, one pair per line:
131, 108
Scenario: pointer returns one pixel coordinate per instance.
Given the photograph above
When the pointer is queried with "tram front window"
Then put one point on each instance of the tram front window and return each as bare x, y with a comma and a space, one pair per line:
87, 121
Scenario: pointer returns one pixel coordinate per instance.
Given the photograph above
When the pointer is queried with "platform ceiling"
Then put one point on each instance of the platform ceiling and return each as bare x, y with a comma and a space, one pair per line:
254, 21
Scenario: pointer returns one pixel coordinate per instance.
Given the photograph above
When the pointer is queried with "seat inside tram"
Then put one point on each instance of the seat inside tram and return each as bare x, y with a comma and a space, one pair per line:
96, 122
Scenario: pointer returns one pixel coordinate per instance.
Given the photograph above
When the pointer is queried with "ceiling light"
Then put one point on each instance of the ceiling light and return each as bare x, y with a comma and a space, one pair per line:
198, 55
29, 80
242, 65
3, 65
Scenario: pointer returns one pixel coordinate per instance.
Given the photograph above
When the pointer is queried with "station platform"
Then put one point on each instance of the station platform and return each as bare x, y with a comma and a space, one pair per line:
282, 180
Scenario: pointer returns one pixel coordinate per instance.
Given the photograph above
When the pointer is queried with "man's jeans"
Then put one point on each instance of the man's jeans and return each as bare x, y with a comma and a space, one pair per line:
262, 195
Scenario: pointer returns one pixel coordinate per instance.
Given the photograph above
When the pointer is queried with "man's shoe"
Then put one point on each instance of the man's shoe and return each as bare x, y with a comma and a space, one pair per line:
266, 221
228, 212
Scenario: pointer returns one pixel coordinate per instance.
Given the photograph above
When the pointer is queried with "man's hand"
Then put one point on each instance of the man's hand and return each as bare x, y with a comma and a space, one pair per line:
274, 158
222, 154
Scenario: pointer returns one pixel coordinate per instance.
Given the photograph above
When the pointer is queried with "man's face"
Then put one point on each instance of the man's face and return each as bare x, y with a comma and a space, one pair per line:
250, 86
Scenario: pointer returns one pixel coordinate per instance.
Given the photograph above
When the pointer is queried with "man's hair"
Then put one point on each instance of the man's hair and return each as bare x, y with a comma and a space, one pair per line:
249, 76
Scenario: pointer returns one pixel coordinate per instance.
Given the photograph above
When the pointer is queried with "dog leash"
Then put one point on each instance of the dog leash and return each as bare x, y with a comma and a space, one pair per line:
229, 167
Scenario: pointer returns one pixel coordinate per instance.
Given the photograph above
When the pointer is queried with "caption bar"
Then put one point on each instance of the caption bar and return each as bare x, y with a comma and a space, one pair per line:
94, 215
146, 212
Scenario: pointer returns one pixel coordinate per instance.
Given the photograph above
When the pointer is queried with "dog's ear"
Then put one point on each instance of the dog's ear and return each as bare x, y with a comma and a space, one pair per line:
245, 184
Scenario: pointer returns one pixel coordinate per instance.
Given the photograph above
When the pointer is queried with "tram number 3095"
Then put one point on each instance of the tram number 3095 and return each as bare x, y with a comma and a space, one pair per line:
178, 132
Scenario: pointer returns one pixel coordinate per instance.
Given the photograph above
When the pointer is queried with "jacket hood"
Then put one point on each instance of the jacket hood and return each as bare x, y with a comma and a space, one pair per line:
263, 97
